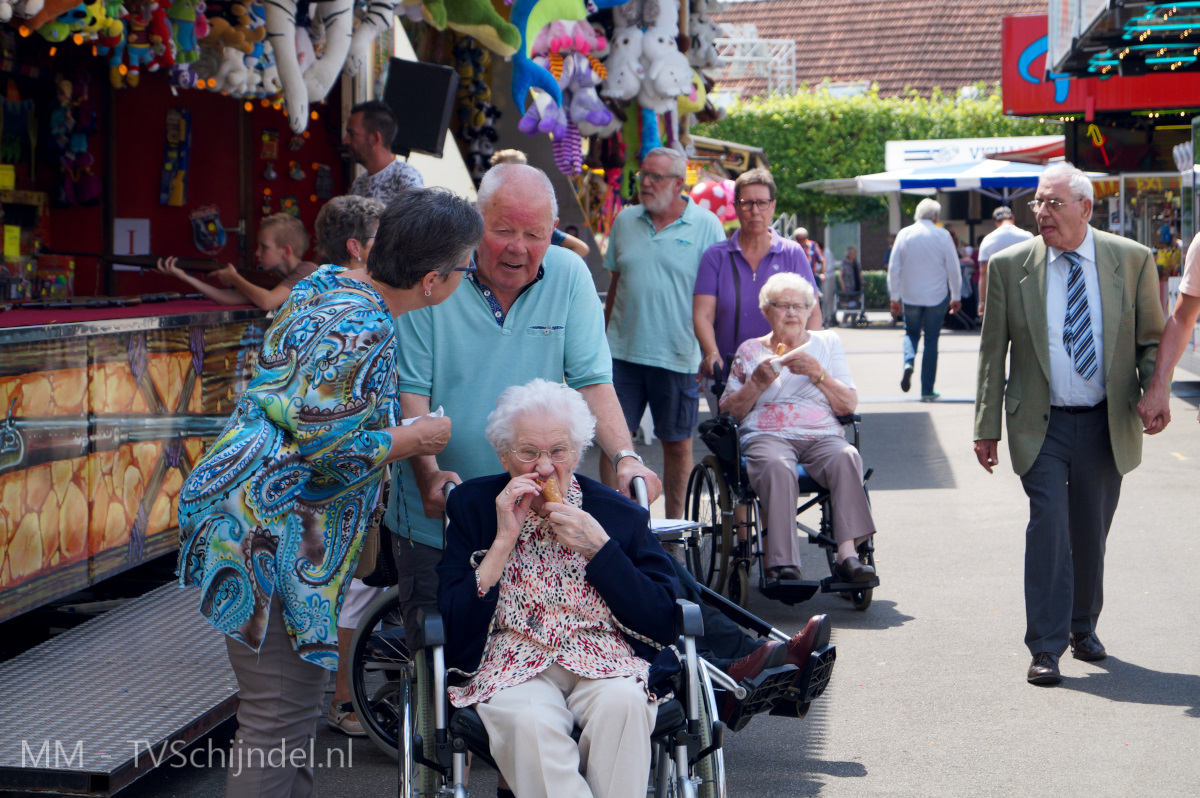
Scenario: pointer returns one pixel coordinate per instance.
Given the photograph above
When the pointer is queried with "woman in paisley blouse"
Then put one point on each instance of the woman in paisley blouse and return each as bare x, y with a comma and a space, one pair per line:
273, 516
786, 390
554, 609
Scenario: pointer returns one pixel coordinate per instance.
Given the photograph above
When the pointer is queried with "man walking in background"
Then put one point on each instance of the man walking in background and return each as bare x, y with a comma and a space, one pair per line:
1004, 236
924, 279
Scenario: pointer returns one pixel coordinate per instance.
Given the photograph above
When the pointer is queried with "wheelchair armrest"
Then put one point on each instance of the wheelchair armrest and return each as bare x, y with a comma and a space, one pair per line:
688, 620
431, 622
852, 418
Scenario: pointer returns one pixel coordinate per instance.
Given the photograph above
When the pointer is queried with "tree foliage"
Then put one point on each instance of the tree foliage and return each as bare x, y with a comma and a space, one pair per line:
816, 136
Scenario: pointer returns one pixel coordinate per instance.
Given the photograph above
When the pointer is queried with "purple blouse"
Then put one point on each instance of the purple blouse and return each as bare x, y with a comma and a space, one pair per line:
715, 278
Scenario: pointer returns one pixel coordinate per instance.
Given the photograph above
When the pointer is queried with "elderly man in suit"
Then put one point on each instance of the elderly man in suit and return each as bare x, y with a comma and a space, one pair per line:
1077, 312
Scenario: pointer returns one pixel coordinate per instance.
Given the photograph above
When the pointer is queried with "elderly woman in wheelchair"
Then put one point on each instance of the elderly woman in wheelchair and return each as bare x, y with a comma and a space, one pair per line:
787, 390
553, 608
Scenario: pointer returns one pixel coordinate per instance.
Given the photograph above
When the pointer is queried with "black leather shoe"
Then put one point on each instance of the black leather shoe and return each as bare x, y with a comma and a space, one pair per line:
786, 573
1087, 647
852, 569
906, 380
1044, 669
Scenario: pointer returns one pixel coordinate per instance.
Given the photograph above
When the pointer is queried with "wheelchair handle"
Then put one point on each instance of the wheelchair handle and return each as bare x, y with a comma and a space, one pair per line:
637, 486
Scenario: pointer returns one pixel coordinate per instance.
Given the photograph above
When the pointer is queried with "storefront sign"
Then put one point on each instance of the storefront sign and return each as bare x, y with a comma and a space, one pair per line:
936, 152
1029, 91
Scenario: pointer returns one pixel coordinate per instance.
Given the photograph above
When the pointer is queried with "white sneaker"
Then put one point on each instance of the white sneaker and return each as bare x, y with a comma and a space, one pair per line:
341, 718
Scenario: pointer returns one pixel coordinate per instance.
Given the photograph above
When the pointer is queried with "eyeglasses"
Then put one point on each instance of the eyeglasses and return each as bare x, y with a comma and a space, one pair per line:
468, 269
528, 454
786, 306
761, 205
1053, 204
655, 177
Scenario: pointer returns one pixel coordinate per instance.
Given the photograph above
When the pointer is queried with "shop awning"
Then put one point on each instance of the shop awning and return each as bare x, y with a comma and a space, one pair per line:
983, 174
1041, 154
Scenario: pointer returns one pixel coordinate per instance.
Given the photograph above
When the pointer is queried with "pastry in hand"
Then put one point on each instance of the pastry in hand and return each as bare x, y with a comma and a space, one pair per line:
550, 491
780, 350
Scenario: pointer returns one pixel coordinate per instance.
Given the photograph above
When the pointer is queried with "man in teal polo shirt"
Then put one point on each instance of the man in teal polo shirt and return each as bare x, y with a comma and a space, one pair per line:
529, 311
654, 252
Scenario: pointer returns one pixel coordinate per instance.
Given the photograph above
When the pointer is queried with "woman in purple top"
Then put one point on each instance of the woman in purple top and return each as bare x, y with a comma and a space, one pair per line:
725, 299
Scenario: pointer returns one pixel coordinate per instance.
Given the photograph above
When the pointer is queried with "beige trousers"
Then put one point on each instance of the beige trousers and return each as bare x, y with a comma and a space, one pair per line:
280, 698
833, 462
530, 725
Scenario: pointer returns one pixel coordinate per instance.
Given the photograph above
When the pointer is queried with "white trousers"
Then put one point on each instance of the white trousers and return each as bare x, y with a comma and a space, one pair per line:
530, 730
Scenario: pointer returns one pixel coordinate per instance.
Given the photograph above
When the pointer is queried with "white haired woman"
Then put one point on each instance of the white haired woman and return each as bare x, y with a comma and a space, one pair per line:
548, 604
786, 390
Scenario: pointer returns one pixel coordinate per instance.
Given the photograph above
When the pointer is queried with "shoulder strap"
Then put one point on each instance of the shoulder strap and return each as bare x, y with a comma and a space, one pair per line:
737, 307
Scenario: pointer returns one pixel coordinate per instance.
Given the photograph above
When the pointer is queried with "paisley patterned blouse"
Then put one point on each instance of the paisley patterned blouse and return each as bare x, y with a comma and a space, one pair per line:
281, 498
548, 614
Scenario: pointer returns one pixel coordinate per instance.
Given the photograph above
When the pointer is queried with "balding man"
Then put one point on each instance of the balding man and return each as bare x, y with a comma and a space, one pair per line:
530, 310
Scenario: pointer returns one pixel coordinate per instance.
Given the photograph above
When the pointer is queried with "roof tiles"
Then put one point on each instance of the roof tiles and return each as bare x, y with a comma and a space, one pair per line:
901, 44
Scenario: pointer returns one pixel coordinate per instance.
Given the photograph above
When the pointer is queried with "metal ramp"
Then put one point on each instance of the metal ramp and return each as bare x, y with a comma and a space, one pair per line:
91, 710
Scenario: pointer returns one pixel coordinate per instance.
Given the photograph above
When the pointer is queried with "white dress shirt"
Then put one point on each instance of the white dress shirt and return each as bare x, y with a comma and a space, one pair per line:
924, 266
1067, 387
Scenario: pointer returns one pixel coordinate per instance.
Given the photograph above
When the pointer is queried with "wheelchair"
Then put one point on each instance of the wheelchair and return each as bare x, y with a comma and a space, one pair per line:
729, 542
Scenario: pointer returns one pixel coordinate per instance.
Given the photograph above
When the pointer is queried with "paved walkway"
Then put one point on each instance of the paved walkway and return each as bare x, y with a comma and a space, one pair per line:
929, 696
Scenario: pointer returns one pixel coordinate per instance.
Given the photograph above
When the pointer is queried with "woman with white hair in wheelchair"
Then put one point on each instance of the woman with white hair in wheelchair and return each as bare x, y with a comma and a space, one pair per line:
786, 390
552, 587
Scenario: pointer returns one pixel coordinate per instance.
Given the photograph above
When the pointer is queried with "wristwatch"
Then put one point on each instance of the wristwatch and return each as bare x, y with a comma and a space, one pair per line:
621, 455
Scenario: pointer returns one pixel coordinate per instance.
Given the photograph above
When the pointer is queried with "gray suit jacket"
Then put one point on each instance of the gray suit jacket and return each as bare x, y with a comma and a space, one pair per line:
1015, 326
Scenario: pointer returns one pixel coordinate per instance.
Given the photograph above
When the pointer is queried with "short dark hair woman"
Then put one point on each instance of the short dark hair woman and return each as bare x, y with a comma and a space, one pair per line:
272, 518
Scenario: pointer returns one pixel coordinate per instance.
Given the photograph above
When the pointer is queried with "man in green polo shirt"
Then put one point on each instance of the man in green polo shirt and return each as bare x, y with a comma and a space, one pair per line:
531, 310
654, 254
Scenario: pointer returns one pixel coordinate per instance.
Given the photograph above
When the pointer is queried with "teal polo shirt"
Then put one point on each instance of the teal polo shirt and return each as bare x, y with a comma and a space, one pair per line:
460, 356
651, 320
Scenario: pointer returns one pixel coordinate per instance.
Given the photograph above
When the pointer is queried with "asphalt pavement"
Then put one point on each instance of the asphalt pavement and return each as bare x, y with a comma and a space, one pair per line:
928, 697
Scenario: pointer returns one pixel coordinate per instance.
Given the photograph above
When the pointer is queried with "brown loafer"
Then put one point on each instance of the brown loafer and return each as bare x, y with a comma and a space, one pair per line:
786, 573
814, 635
1044, 669
770, 654
852, 569
1087, 647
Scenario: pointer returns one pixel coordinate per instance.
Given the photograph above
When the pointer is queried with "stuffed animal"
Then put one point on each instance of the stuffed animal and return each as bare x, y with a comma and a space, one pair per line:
183, 15
585, 105
337, 16
703, 33
65, 25
480, 20
648, 14
529, 17
667, 71
624, 65
374, 18
162, 39
284, 29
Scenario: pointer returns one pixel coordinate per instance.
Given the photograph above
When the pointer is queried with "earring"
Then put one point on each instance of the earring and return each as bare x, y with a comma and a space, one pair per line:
428, 293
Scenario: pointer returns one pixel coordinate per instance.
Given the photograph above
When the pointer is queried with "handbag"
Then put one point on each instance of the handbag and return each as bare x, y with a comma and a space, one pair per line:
377, 562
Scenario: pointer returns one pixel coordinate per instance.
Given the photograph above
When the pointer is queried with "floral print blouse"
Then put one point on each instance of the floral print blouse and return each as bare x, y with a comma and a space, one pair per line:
548, 614
280, 500
791, 407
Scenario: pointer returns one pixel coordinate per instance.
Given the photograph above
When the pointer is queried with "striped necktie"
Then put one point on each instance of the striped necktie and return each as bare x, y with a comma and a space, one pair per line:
1077, 329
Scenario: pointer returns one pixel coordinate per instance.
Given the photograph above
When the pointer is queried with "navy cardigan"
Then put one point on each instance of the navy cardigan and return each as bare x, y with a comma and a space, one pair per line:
631, 571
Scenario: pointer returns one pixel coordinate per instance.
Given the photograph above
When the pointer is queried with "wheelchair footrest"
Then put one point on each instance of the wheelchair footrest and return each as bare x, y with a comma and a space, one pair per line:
809, 685
761, 694
828, 585
790, 591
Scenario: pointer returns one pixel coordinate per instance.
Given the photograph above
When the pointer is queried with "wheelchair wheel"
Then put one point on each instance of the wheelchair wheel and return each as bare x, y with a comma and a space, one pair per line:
739, 582
706, 503
710, 771
391, 691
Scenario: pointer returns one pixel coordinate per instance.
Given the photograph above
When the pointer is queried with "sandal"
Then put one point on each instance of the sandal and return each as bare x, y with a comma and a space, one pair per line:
341, 718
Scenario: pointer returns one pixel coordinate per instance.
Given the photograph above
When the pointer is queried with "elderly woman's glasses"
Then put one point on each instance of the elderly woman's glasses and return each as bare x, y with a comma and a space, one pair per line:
1052, 204
795, 307
760, 205
528, 454
467, 269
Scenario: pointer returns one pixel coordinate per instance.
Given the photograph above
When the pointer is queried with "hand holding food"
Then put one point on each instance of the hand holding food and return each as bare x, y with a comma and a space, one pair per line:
550, 490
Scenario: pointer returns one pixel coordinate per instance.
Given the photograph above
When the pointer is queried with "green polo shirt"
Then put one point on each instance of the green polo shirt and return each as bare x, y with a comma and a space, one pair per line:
460, 356
651, 321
